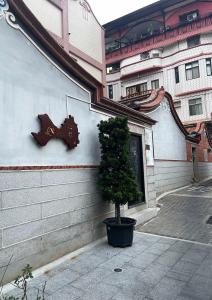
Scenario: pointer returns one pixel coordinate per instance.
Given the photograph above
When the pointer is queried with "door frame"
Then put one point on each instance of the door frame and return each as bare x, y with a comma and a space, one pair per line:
142, 170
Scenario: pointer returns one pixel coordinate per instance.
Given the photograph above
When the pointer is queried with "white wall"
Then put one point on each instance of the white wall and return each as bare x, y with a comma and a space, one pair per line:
169, 141
48, 14
85, 32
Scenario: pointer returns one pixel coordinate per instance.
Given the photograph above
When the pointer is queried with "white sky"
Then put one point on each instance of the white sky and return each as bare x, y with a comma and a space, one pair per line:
108, 10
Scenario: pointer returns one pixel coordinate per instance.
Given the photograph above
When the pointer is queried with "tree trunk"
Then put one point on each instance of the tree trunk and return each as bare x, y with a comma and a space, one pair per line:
118, 213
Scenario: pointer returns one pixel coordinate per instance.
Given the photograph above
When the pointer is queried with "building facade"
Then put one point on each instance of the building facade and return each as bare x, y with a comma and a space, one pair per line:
165, 44
49, 201
74, 26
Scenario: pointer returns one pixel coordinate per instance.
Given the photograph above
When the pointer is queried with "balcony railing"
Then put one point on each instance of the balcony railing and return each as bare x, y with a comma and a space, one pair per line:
140, 95
154, 41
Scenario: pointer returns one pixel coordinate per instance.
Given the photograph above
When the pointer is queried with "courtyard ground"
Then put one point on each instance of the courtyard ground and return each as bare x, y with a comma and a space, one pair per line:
154, 268
184, 214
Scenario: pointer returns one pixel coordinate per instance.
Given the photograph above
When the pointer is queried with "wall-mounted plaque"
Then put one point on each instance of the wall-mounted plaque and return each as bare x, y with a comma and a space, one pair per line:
68, 132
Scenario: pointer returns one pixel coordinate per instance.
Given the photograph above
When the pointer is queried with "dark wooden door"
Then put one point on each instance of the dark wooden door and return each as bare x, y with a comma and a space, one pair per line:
136, 159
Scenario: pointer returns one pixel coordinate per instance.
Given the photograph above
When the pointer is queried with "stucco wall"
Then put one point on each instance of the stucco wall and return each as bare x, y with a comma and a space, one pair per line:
48, 14
169, 141
45, 213
170, 175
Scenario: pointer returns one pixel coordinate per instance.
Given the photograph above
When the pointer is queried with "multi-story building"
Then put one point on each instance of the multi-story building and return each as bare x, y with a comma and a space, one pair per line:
165, 44
76, 29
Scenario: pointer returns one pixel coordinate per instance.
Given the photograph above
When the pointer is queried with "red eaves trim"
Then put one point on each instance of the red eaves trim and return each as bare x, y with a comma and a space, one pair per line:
28, 168
194, 92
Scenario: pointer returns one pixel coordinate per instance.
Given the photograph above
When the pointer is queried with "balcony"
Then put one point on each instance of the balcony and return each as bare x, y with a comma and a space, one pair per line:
141, 66
135, 96
171, 35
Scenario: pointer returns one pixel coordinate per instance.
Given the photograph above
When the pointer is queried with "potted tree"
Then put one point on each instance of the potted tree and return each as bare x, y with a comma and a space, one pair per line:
116, 180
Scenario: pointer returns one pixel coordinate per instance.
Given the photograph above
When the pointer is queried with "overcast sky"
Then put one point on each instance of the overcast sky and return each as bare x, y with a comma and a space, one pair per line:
108, 10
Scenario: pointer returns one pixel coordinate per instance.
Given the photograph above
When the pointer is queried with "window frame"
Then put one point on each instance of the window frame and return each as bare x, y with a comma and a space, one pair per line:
153, 82
210, 66
177, 75
110, 91
195, 39
197, 106
190, 69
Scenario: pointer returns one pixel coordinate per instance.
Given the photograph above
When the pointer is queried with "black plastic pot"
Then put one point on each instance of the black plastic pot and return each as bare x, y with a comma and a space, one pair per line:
120, 235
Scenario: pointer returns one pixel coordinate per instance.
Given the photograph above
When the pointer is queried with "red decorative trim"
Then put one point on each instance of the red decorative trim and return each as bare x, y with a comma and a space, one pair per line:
27, 168
194, 92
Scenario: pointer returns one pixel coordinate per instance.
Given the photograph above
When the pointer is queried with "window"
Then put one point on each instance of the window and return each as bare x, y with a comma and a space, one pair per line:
143, 87
177, 104
192, 70
155, 55
132, 90
144, 55
155, 84
195, 107
136, 89
177, 76
193, 41
208, 66
110, 91
189, 17
113, 68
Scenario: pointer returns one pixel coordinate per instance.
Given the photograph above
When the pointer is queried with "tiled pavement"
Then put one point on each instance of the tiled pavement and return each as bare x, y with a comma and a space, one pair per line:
154, 268
184, 214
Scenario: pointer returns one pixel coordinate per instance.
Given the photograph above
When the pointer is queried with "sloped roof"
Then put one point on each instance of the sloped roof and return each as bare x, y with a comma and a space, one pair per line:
153, 101
41, 35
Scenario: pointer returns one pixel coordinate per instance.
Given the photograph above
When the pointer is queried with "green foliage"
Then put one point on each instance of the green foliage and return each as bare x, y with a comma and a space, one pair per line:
116, 180
21, 282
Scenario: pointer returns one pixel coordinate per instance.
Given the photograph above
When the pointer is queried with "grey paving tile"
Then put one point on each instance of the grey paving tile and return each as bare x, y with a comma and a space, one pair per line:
185, 267
143, 260
199, 287
158, 248
90, 279
185, 277
180, 246
100, 292
60, 280
205, 269
167, 289
66, 293
194, 256
169, 258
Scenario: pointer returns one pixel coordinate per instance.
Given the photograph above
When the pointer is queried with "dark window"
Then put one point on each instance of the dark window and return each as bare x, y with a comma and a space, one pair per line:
192, 70
208, 66
193, 41
136, 89
113, 68
110, 91
189, 17
177, 104
177, 76
195, 107
155, 84
144, 55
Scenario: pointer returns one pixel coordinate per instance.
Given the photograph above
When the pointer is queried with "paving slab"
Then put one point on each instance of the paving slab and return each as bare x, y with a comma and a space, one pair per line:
184, 215
163, 269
